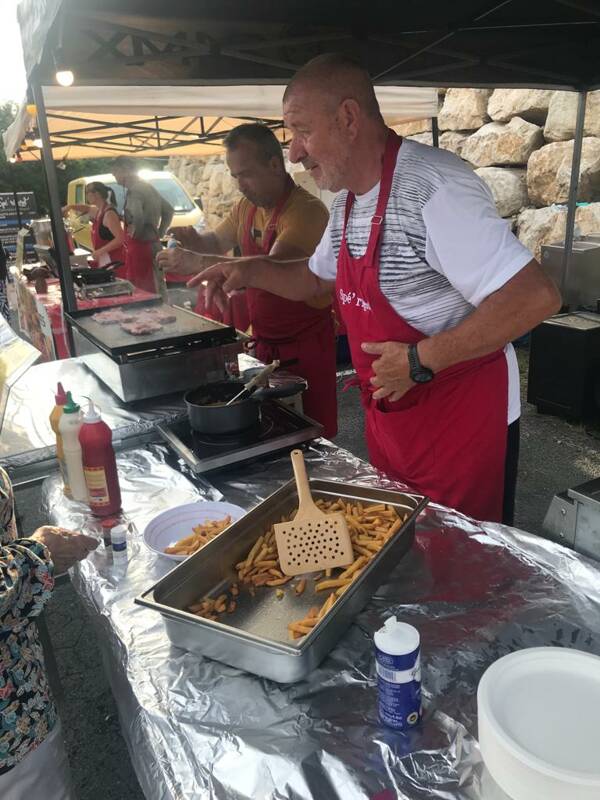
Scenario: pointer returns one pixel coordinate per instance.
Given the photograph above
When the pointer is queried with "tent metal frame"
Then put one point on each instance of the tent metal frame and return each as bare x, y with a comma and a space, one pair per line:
144, 133
126, 45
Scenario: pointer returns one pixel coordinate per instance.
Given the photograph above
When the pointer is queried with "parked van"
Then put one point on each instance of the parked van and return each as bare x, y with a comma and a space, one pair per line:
187, 211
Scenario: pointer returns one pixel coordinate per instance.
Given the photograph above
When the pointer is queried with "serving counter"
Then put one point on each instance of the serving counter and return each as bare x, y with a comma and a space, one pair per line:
198, 729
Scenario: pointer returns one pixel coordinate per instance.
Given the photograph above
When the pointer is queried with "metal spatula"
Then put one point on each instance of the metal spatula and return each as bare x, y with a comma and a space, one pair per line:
313, 540
254, 381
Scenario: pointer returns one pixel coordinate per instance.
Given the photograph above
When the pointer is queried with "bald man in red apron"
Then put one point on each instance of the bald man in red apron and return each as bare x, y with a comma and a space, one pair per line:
402, 435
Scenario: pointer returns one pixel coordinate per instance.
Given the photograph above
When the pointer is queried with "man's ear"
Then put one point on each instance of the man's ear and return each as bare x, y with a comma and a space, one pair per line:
349, 115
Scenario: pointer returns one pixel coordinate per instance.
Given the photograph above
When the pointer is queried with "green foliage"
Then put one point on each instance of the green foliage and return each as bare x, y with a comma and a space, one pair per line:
29, 176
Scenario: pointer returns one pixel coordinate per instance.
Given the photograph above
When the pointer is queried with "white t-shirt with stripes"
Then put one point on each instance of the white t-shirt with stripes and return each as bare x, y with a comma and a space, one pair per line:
444, 247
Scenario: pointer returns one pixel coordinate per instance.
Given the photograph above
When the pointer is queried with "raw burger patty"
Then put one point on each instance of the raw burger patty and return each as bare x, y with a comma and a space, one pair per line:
113, 316
141, 327
159, 315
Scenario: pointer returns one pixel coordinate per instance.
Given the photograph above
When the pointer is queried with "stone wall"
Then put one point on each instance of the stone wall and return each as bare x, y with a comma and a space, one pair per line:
520, 141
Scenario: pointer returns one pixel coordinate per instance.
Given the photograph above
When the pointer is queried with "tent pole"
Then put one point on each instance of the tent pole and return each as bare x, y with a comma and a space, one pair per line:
574, 185
435, 132
58, 229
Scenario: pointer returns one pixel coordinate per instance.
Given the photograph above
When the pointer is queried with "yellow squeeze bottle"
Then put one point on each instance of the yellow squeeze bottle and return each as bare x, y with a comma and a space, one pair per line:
60, 398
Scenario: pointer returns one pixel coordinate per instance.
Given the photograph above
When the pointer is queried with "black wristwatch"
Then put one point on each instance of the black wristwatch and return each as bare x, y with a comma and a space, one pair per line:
418, 373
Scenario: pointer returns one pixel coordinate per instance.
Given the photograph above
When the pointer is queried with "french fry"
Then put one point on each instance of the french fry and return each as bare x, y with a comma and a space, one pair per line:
395, 527
360, 561
202, 534
304, 626
221, 603
279, 581
375, 508
276, 573
254, 551
326, 606
300, 586
332, 584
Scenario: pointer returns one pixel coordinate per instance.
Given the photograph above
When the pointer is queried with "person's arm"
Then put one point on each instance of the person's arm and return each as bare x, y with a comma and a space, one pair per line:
80, 208
26, 582
166, 216
136, 217
483, 261
26, 578
199, 250
290, 279
113, 223
298, 279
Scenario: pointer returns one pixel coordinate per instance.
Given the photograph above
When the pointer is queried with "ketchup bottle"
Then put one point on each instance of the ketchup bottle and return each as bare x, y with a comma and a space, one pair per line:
99, 464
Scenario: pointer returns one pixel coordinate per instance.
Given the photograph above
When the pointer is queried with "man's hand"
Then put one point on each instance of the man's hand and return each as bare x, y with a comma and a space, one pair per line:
223, 279
392, 373
187, 236
180, 261
66, 547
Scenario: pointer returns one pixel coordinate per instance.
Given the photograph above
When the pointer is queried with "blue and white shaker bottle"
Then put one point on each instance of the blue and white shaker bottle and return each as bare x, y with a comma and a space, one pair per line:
397, 651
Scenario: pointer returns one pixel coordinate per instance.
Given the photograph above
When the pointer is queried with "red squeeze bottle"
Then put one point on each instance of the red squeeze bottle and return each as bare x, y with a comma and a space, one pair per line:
99, 464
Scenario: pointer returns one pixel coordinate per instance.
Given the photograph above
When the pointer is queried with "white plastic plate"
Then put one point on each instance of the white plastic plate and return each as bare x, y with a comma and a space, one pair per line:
169, 527
539, 724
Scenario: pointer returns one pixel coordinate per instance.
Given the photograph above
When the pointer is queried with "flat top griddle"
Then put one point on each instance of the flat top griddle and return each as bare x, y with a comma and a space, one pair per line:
188, 330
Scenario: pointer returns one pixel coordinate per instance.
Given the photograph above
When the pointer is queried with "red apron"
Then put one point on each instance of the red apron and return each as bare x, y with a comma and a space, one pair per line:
139, 258
292, 330
446, 438
98, 241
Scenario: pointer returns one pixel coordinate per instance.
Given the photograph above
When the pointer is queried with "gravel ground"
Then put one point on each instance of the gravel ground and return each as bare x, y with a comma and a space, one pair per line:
554, 456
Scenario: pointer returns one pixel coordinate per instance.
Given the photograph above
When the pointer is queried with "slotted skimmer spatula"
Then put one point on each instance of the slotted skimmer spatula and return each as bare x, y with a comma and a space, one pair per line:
313, 540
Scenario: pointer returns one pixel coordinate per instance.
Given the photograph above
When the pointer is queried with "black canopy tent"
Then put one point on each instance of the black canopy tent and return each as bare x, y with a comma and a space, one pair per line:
466, 43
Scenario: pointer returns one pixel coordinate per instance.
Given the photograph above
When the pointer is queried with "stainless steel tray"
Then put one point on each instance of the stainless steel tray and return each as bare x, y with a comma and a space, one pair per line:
255, 637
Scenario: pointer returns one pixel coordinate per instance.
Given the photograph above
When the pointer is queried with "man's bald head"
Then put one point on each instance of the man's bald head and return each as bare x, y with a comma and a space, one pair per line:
336, 78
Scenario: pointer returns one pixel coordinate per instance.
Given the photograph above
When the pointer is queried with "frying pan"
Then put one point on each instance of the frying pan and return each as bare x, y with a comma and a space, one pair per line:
88, 276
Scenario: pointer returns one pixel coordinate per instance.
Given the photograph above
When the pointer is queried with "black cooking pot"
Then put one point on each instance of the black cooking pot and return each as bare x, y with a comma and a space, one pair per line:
208, 411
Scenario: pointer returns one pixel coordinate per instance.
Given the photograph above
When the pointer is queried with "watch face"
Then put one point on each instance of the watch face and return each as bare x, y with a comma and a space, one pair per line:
422, 375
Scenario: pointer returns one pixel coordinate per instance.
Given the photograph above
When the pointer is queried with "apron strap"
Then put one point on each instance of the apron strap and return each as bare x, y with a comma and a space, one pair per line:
271, 226
387, 175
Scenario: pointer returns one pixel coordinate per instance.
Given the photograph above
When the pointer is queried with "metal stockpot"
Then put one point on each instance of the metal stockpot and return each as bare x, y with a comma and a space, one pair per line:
208, 411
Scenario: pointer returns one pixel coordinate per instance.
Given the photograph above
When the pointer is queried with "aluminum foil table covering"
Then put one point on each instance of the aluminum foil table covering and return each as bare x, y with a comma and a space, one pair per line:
198, 729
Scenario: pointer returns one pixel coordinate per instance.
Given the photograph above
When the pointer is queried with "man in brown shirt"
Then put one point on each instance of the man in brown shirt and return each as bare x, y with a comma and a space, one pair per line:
274, 217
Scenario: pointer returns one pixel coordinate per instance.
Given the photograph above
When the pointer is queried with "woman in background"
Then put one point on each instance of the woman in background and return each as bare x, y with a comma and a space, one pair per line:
108, 236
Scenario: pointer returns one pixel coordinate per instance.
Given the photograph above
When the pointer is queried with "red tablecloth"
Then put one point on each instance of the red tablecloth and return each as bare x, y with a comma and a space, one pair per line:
52, 301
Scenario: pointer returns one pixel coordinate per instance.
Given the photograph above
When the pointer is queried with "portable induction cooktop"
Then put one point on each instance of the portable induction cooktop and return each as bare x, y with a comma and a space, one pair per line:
279, 428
